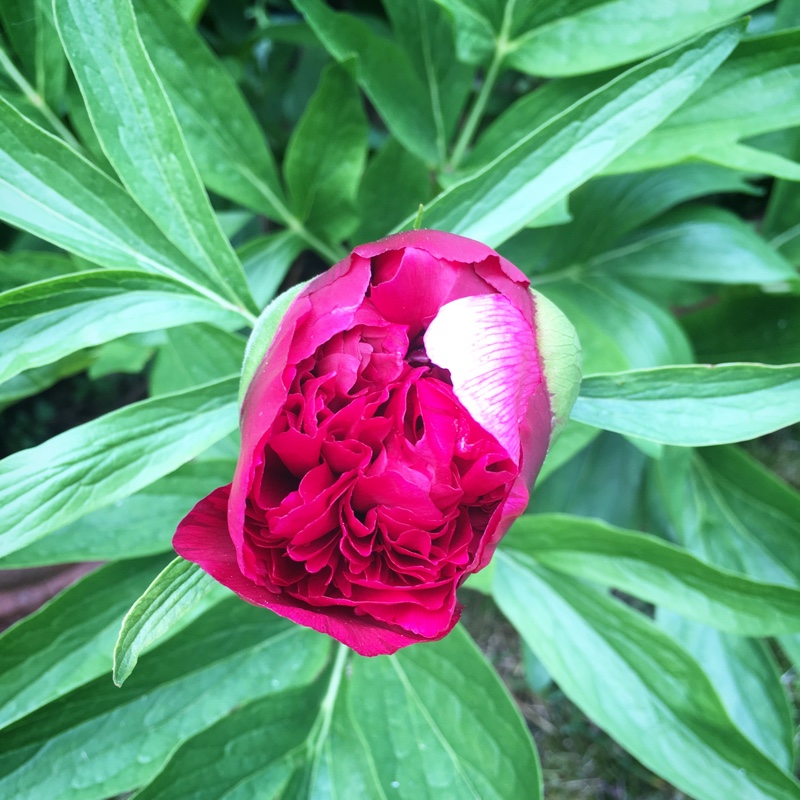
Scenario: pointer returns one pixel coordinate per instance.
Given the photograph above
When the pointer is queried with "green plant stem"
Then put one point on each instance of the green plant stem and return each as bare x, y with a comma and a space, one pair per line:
37, 100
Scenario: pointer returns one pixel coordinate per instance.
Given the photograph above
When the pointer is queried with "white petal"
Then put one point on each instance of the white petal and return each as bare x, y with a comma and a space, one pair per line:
490, 351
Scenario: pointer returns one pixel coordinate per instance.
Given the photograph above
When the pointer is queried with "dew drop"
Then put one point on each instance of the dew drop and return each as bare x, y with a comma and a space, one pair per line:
395, 784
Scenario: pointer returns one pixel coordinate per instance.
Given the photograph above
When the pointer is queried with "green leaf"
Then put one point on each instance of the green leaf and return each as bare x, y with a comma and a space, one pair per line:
29, 266
618, 328
553, 39
601, 34
695, 405
432, 721
140, 134
193, 355
746, 676
781, 226
572, 439
139, 525
386, 75
395, 183
630, 677
100, 462
223, 136
729, 510
53, 192
753, 92
68, 642
653, 570
267, 260
747, 327
603, 480
697, 243
191, 10
629, 201
110, 741
548, 162
326, 156
179, 588
37, 380
424, 31
46, 321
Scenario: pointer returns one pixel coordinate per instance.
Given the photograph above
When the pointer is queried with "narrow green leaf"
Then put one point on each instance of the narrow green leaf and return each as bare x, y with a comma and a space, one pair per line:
267, 260
748, 680
53, 192
68, 642
781, 226
323, 170
46, 321
431, 721
30, 266
179, 588
140, 134
139, 525
694, 405
384, 72
110, 741
630, 677
222, 134
574, 438
752, 93
100, 462
547, 163
653, 570
37, 380
698, 243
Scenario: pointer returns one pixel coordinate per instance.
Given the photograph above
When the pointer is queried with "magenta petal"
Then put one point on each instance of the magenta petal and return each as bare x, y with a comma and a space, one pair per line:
490, 350
202, 537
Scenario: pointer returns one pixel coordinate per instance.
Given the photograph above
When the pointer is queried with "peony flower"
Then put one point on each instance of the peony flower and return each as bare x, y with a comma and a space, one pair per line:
391, 429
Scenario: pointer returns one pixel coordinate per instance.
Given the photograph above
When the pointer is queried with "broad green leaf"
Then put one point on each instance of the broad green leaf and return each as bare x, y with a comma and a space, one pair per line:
750, 159
697, 243
603, 480
752, 326
629, 677
46, 321
178, 589
432, 721
53, 192
140, 134
193, 355
695, 405
629, 201
29, 266
753, 92
96, 464
787, 14
746, 676
425, 32
548, 162
267, 260
618, 328
130, 354
395, 183
553, 39
139, 525
732, 512
326, 156
386, 75
223, 136
654, 570
68, 642
110, 741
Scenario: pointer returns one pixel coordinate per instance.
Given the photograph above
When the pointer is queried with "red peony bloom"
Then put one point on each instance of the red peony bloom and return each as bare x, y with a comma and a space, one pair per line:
389, 437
